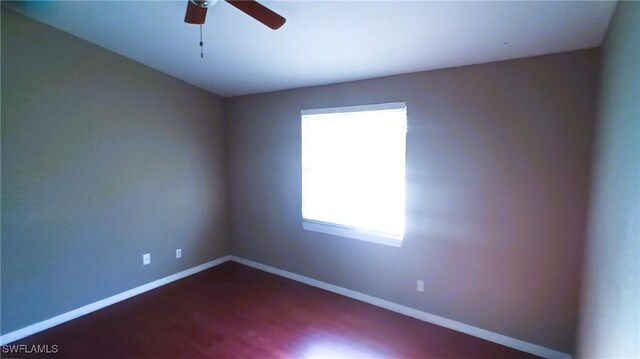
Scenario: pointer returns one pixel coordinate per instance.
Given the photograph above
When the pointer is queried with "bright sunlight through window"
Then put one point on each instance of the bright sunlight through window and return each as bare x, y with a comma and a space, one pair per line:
353, 171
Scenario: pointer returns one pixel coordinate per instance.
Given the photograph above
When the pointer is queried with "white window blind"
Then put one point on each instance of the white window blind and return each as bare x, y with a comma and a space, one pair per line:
353, 169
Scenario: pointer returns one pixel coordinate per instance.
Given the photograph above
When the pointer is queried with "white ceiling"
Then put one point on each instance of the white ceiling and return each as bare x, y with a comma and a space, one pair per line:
325, 41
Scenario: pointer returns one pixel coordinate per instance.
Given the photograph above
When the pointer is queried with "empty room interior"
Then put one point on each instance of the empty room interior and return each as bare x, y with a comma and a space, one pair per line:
320, 179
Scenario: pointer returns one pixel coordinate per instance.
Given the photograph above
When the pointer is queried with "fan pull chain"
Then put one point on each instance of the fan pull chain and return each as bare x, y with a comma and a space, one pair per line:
201, 43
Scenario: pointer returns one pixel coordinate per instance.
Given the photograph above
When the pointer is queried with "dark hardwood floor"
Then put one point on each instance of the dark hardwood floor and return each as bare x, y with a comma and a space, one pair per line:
233, 311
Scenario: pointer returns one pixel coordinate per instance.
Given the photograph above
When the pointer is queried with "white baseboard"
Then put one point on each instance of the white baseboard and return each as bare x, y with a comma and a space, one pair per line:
65, 317
424, 316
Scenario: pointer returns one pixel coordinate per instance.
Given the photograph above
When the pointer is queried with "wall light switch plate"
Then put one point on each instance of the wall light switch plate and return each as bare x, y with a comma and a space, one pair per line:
420, 286
179, 253
146, 259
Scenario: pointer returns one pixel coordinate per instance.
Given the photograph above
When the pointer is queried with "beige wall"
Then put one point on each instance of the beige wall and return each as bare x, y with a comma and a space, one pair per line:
103, 159
610, 316
497, 177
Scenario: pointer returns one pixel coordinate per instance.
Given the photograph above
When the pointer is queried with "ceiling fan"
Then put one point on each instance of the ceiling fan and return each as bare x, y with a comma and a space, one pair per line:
197, 12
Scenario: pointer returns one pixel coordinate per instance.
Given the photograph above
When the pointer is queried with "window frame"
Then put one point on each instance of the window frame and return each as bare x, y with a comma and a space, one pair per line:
341, 230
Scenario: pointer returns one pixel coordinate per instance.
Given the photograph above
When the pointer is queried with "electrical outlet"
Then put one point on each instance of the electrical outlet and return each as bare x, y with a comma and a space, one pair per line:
179, 253
420, 286
146, 258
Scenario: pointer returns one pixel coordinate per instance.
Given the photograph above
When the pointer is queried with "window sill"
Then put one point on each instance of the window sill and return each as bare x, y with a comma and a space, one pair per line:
351, 232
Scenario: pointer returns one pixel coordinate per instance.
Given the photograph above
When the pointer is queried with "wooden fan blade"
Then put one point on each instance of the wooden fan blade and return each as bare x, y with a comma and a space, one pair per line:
196, 14
259, 12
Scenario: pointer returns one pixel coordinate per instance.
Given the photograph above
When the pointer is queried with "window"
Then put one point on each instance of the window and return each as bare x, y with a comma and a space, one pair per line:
353, 171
